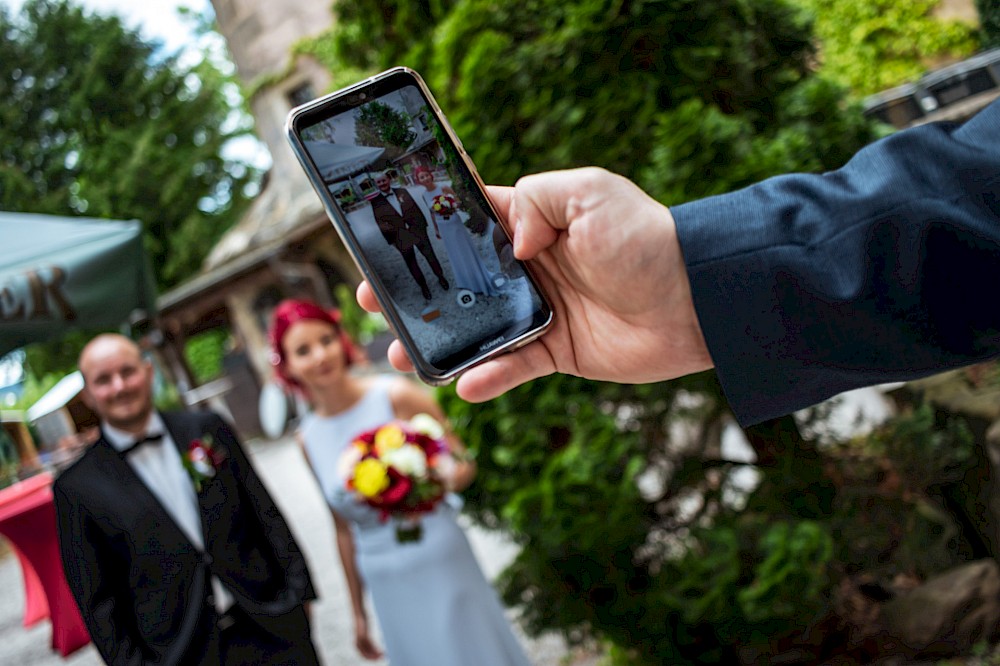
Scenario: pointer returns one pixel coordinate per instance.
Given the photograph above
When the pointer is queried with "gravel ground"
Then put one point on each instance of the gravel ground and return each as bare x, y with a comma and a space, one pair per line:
284, 472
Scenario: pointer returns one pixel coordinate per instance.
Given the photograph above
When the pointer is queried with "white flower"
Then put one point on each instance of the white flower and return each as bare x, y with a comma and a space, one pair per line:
407, 459
202, 466
426, 424
200, 462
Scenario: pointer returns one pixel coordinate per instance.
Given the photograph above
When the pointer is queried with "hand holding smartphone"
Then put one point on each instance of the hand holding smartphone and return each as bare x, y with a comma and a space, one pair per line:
409, 206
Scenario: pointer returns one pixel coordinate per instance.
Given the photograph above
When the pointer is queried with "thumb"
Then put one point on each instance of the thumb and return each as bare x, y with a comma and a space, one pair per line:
497, 376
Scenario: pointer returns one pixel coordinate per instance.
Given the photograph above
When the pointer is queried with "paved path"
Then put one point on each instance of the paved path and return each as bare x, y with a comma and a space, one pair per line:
283, 470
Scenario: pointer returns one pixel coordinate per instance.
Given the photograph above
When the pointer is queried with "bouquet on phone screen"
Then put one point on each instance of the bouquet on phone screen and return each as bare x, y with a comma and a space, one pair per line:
444, 205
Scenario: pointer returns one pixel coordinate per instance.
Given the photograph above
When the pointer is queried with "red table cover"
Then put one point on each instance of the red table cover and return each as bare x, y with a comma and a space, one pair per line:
28, 520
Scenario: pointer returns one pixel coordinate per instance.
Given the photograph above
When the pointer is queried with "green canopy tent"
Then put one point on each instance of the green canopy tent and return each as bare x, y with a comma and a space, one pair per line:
61, 273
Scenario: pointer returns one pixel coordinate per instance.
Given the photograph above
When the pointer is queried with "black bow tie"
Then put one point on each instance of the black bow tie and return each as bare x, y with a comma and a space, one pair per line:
148, 439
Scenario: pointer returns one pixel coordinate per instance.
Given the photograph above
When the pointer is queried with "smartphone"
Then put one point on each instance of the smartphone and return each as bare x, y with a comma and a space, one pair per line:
413, 212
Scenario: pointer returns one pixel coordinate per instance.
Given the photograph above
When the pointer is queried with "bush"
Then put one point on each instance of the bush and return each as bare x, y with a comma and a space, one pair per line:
204, 353
989, 19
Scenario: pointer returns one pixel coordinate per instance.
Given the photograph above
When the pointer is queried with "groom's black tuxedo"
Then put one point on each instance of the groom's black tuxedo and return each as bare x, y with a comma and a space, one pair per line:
405, 231
144, 588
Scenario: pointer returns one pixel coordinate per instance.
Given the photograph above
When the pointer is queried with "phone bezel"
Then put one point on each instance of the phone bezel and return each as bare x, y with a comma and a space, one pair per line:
348, 99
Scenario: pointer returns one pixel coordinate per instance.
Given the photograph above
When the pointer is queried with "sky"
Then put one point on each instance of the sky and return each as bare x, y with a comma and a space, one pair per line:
155, 19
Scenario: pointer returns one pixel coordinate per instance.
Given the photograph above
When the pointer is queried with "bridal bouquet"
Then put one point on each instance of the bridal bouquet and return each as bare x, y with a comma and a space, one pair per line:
392, 468
444, 205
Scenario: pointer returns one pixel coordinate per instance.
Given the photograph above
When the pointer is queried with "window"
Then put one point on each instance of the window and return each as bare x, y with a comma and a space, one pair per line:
301, 94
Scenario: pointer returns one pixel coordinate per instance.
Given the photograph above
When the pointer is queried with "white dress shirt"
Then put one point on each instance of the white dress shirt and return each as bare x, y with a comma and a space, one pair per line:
393, 200
159, 466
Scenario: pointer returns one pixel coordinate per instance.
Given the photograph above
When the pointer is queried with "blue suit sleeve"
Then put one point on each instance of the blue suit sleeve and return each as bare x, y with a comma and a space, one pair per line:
884, 270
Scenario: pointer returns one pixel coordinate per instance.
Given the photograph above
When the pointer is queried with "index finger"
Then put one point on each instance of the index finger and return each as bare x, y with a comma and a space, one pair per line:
366, 298
501, 197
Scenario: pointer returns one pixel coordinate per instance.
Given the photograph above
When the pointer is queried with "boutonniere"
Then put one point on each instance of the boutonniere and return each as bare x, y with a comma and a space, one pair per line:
201, 460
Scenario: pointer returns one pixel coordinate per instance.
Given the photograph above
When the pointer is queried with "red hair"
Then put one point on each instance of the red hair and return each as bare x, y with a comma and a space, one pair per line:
421, 169
290, 312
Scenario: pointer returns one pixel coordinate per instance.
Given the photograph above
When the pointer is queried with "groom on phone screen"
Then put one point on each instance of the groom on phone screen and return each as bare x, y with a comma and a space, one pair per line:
404, 226
174, 551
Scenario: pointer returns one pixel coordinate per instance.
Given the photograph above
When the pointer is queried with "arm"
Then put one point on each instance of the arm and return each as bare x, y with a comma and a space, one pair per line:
408, 400
355, 586
809, 285
387, 228
95, 577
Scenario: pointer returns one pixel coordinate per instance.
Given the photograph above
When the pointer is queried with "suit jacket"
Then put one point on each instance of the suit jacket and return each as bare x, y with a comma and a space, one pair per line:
809, 285
143, 588
394, 226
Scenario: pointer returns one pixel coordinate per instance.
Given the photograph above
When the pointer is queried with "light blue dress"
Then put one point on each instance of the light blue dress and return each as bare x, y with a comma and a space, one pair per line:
433, 604
466, 262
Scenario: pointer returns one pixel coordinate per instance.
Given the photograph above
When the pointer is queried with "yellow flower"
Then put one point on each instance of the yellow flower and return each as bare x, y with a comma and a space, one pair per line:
370, 477
388, 438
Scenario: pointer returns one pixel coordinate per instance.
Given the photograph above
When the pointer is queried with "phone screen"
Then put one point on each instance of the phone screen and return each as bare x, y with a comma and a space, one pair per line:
418, 221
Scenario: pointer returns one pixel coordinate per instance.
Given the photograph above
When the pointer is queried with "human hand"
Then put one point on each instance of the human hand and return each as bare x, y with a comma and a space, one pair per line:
363, 641
455, 473
609, 259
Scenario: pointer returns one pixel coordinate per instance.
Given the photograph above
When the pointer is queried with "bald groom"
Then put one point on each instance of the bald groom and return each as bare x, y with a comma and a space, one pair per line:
173, 548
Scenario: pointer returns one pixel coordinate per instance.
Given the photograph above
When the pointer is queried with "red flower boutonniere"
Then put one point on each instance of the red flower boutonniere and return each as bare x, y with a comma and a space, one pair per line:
202, 460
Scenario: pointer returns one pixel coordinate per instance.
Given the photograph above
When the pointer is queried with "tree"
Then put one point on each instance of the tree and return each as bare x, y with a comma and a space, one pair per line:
379, 124
533, 86
872, 45
96, 122
634, 526
989, 16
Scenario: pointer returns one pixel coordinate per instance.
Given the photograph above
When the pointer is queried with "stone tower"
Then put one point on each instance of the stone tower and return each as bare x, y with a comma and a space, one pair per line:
260, 35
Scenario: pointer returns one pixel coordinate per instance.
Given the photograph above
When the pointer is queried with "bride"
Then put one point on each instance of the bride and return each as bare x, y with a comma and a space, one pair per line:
433, 604
466, 262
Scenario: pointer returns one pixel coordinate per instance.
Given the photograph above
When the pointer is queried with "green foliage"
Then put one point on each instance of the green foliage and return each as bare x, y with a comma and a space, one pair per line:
871, 45
539, 85
791, 578
166, 397
378, 124
35, 386
890, 514
57, 357
96, 122
989, 19
204, 353
925, 454
10, 462
362, 326
697, 150
632, 526
380, 33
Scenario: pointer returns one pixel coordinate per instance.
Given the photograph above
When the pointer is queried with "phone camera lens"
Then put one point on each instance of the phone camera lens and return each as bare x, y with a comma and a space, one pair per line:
466, 298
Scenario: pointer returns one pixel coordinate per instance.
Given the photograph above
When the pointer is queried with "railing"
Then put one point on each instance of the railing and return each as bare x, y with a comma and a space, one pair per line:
954, 92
